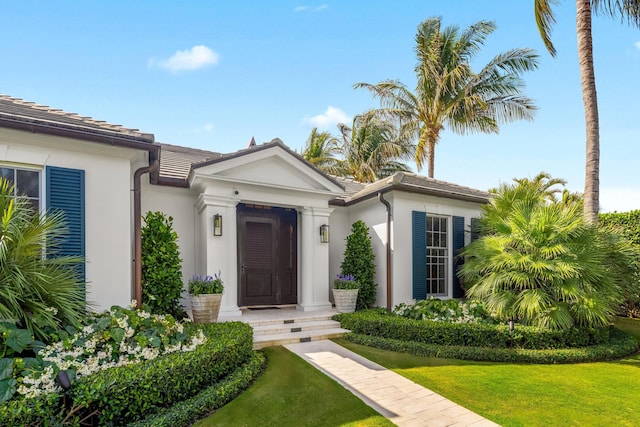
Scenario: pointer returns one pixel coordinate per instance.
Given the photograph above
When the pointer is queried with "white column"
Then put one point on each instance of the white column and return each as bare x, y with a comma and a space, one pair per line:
306, 264
315, 261
229, 304
221, 251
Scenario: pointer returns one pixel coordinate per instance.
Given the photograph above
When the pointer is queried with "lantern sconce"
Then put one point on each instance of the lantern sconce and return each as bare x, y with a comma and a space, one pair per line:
324, 233
217, 225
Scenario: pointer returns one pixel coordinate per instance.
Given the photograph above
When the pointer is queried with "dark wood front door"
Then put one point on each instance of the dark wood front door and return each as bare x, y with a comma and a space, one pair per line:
267, 255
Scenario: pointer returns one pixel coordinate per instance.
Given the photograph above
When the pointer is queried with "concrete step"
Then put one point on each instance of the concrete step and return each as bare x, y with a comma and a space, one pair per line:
270, 340
282, 328
290, 318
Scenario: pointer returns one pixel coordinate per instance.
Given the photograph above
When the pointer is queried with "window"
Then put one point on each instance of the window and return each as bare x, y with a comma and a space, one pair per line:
437, 255
26, 183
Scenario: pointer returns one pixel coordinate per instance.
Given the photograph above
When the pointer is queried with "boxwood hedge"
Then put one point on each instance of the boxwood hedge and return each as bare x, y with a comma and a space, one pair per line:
121, 395
384, 324
185, 413
620, 345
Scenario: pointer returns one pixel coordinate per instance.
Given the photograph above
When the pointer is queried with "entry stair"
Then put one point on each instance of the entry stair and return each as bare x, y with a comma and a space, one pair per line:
290, 326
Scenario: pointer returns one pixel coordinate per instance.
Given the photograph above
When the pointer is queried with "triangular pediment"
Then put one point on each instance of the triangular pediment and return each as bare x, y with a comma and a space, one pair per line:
268, 165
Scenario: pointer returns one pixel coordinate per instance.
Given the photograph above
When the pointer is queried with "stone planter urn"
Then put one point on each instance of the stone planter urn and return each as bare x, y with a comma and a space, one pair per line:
205, 307
345, 300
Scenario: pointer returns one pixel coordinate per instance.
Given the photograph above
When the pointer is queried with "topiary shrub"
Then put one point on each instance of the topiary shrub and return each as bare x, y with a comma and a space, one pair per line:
161, 266
359, 262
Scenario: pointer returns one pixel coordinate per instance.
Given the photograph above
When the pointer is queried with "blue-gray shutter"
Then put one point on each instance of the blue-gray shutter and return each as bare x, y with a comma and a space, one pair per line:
419, 259
65, 192
458, 244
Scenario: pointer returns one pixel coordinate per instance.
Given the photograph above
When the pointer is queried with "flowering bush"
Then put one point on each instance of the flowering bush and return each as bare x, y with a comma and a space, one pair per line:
120, 336
345, 282
452, 311
206, 285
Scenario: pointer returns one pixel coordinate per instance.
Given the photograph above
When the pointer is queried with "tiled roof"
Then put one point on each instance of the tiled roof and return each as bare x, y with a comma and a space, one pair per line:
176, 162
409, 182
18, 111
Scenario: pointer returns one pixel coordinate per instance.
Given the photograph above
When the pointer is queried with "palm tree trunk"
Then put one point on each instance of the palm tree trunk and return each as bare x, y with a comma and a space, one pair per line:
431, 157
590, 100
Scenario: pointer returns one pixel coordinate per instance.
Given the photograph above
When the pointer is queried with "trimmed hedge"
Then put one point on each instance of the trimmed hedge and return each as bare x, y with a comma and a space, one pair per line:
129, 393
126, 394
385, 324
188, 411
619, 346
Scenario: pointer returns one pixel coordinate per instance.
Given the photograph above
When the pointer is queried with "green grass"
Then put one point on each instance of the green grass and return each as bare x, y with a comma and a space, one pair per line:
586, 394
294, 393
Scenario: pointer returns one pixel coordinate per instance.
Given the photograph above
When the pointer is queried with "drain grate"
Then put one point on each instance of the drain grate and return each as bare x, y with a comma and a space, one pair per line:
299, 329
305, 339
286, 322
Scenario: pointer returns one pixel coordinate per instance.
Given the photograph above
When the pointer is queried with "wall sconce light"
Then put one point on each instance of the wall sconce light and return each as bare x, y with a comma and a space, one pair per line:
324, 233
217, 225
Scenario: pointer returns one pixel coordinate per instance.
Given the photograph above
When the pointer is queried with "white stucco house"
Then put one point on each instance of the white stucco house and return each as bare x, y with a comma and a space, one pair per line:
268, 205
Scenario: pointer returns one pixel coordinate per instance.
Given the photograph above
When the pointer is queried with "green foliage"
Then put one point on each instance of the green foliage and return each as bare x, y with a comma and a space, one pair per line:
628, 224
320, 150
620, 345
161, 266
539, 262
345, 282
381, 323
129, 393
452, 311
359, 262
17, 347
206, 285
37, 292
185, 413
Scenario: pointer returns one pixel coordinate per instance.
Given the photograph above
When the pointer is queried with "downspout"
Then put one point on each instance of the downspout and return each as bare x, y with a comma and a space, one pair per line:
388, 206
137, 227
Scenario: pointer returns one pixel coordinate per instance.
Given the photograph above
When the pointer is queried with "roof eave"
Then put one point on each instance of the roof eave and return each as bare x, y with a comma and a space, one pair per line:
410, 189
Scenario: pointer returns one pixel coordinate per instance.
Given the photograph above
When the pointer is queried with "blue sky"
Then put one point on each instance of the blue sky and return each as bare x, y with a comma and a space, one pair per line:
212, 74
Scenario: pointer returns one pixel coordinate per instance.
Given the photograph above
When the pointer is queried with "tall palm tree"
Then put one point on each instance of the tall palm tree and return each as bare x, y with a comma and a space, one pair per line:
320, 149
627, 9
373, 148
448, 92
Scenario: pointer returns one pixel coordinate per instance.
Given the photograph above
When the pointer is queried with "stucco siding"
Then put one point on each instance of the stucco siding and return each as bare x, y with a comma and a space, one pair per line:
403, 205
108, 231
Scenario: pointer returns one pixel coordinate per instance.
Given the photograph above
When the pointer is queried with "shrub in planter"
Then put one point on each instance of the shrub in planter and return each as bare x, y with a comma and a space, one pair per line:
359, 262
206, 296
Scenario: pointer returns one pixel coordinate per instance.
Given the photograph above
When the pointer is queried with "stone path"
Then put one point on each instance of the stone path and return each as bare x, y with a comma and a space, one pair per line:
401, 400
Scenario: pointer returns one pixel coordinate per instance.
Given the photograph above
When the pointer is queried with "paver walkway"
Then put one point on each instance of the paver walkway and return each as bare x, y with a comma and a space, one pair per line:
401, 400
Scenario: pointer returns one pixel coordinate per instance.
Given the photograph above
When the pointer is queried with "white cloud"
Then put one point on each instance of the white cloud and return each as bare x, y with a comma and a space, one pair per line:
310, 9
329, 118
637, 45
208, 128
619, 199
197, 57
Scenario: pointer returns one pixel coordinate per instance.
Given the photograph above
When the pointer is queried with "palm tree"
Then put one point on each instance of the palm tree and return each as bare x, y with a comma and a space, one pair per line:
373, 148
40, 293
627, 9
320, 150
449, 93
540, 263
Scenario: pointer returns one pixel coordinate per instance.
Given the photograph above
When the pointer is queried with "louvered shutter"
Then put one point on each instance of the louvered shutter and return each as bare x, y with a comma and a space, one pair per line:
458, 244
419, 259
65, 192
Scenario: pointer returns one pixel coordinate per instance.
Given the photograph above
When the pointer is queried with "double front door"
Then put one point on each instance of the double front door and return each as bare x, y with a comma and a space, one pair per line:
267, 255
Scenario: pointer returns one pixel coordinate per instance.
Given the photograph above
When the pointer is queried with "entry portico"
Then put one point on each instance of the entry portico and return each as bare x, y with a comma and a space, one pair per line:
272, 204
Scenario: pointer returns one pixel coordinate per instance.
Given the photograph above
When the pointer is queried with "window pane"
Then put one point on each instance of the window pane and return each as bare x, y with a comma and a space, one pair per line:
28, 183
7, 174
443, 225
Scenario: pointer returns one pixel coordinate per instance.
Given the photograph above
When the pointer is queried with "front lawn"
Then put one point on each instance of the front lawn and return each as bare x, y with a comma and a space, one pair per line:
585, 394
294, 393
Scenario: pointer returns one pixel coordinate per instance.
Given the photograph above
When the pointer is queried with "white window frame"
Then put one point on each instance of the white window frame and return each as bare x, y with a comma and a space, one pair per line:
444, 256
